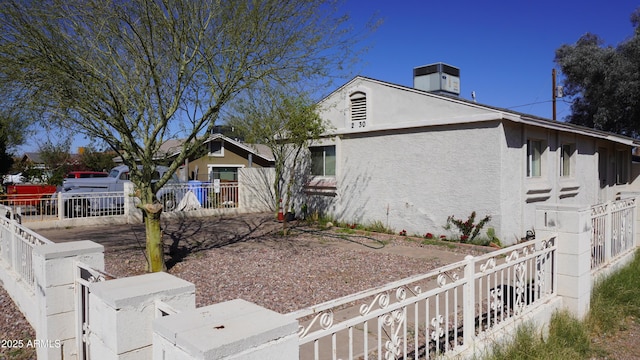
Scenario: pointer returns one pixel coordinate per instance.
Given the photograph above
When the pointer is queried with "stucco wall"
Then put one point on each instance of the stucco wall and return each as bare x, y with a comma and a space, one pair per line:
415, 180
420, 158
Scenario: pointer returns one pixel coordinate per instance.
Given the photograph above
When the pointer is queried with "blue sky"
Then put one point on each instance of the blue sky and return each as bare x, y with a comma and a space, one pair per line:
504, 49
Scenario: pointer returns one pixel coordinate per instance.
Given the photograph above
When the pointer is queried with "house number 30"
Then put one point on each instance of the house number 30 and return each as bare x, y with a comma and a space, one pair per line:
358, 124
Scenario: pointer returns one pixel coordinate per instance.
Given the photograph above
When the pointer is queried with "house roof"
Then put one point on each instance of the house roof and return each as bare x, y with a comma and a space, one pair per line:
257, 149
34, 157
493, 113
172, 147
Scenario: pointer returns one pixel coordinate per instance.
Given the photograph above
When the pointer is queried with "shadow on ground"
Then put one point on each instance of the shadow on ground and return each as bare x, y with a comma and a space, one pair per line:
182, 237
189, 236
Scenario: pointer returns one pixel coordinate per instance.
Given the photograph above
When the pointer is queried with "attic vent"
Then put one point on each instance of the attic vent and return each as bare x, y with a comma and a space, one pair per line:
358, 109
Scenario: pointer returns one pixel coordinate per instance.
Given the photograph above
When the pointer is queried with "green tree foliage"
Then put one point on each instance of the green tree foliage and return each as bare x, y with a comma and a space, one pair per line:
604, 82
137, 73
13, 132
92, 159
58, 161
6, 158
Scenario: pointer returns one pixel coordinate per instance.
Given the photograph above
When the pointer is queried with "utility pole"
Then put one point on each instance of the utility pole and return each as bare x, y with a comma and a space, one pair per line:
553, 92
556, 92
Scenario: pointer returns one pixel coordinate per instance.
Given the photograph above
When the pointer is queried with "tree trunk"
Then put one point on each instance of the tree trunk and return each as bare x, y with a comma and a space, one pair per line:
289, 192
155, 246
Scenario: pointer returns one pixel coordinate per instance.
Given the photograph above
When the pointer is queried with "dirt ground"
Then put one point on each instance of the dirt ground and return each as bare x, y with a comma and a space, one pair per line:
190, 235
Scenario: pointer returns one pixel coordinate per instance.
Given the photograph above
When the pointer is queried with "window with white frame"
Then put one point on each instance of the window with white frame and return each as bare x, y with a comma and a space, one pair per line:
566, 155
323, 160
224, 173
216, 148
358, 106
534, 158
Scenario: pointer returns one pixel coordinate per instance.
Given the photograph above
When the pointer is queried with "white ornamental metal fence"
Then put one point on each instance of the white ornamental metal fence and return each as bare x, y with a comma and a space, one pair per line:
58, 206
203, 195
612, 233
91, 204
31, 207
174, 197
16, 247
428, 315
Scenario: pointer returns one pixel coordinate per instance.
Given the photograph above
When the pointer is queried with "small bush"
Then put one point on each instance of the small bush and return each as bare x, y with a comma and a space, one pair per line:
379, 227
491, 234
468, 229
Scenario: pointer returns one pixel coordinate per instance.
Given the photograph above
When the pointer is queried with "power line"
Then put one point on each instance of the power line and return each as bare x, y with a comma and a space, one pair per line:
536, 103
533, 103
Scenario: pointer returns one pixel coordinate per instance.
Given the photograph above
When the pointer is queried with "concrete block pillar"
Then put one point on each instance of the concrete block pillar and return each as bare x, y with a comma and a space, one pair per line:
133, 214
234, 329
572, 226
122, 311
54, 268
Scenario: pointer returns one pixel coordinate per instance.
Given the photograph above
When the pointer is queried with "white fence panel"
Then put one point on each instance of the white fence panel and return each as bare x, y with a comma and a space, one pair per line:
193, 195
428, 315
613, 229
16, 245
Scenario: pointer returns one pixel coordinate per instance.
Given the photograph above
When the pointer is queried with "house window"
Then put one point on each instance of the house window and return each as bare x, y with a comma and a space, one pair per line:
216, 148
566, 152
223, 173
534, 158
358, 110
622, 167
323, 160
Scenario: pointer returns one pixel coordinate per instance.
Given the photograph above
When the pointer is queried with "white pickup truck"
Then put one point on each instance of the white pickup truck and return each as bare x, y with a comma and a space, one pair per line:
94, 196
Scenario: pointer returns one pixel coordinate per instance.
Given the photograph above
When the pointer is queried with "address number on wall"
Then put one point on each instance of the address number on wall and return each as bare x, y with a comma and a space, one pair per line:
358, 124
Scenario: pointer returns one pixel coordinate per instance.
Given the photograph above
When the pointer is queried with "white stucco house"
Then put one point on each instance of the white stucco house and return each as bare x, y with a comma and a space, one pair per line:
410, 157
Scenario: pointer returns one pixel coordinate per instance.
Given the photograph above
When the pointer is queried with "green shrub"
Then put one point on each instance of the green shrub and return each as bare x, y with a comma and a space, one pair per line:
379, 227
491, 234
468, 229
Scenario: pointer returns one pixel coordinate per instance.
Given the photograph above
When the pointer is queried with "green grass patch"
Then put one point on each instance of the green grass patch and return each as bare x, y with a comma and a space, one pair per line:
568, 339
343, 230
615, 299
438, 243
379, 227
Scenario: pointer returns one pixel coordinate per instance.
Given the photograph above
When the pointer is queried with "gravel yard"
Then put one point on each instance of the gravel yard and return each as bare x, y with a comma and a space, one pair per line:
245, 257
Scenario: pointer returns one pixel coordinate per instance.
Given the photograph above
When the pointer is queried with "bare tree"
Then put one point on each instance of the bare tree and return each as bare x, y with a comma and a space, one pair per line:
137, 73
285, 122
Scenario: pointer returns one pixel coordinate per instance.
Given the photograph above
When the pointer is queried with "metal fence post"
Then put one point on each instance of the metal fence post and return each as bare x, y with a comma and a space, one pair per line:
60, 206
608, 235
469, 293
14, 250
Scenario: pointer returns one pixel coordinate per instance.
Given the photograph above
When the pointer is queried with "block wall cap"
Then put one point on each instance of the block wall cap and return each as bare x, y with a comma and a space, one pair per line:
67, 249
135, 290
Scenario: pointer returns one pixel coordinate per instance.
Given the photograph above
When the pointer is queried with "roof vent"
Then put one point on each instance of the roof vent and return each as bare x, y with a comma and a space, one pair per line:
437, 78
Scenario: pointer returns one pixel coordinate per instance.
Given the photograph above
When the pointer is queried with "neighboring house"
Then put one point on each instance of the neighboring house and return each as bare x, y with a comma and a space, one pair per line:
44, 170
223, 156
220, 158
409, 158
33, 160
